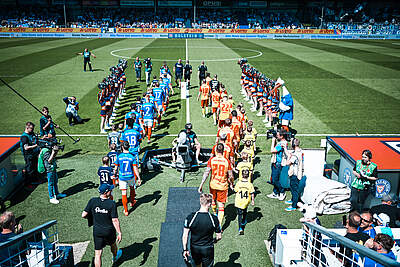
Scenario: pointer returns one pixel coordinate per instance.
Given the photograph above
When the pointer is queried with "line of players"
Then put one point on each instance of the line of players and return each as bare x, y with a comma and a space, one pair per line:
112, 89
235, 133
120, 166
260, 91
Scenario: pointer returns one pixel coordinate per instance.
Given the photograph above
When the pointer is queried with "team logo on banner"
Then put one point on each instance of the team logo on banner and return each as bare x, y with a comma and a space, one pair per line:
382, 188
394, 145
3, 177
347, 177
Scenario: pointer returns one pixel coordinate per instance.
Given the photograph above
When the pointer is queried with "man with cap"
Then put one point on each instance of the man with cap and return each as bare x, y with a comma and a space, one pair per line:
102, 213
193, 141
387, 208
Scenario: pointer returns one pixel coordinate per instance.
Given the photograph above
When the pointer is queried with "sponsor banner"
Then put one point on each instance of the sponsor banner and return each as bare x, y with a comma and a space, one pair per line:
52, 30
186, 35
227, 31
175, 3
137, 3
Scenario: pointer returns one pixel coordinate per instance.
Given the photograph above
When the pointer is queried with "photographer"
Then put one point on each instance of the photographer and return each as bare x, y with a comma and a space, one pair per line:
365, 173
278, 149
193, 141
30, 150
148, 67
47, 125
71, 111
48, 159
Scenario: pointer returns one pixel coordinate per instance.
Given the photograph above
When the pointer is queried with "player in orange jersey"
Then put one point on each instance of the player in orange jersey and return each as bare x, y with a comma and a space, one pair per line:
225, 108
215, 100
228, 150
204, 92
230, 135
236, 126
221, 178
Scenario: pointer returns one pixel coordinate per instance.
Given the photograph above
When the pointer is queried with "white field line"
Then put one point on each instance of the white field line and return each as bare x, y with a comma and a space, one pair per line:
214, 135
187, 89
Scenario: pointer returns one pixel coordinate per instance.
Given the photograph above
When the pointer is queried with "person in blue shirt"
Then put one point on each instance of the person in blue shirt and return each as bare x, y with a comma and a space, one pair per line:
366, 225
127, 167
86, 59
105, 172
278, 150
138, 69
178, 69
133, 137
159, 100
133, 112
382, 244
148, 113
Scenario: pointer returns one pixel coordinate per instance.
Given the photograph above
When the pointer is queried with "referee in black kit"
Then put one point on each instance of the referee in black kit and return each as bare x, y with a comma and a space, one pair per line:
202, 69
202, 225
102, 214
86, 58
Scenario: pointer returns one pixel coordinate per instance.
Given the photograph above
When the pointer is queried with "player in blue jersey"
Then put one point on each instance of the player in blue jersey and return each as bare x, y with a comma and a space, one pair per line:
127, 167
105, 172
134, 113
112, 155
133, 137
148, 113
159, 97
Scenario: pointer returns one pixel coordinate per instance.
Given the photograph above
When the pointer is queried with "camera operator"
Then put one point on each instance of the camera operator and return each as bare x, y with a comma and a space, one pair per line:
278, 150
148, 67
71, 111
47, 125
193, 141
365, 173
30, 150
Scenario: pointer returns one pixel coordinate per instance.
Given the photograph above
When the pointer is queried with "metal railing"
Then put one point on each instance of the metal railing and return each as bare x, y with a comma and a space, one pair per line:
321, 247
36, 247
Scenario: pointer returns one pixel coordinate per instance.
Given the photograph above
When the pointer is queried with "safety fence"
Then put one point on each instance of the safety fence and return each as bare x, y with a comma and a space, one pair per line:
36, 247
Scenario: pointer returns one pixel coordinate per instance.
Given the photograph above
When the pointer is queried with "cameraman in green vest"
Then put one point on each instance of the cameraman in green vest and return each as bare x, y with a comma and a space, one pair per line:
365, 173
30, 150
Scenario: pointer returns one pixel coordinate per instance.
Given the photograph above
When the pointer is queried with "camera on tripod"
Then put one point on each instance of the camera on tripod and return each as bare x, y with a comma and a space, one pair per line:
50, 143
287, 134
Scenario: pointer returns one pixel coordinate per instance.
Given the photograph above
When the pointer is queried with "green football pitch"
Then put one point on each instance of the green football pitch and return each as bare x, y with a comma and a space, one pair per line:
339, 87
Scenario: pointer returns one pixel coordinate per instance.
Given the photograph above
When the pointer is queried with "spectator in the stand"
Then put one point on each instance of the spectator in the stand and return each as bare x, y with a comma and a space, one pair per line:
386, 207
71, 110
382, 244
352, 225
10, 229
30, 150
365, 172
366, 225
102, 214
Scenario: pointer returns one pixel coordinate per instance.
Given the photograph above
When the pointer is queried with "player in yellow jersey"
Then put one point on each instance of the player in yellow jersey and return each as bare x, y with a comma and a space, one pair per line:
249, 149
245, 164
221, 178
244, 194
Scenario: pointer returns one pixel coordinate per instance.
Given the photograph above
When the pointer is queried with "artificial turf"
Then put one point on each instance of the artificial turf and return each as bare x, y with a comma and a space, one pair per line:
339, 87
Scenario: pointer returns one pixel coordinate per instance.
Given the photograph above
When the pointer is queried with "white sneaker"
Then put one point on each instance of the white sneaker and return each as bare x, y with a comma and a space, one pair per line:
103, 131
107, 127
253, 109
268, 124
116, 104
266, 120
260, 113
250, 101
273, 195
282, 196
54, 201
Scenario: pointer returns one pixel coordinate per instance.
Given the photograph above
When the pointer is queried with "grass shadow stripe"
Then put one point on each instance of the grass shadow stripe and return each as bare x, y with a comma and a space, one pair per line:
377, 43
343, 105
358, 54
24, 42
28, 64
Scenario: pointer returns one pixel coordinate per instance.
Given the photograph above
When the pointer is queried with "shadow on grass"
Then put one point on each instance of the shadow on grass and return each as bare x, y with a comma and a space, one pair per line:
156, 196
84, 264
230, 215
79, 188
70, 154
256, 174
135, 250
231, 262
254, 215
64, 173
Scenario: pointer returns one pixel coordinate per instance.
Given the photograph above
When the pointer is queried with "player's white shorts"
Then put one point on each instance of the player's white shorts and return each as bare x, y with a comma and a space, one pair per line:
285, 122
148, 122
123, 185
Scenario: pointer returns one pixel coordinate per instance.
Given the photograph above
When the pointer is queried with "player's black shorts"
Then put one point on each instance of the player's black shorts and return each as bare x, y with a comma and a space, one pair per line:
203, 255
104, 239
186, 76
178, 75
